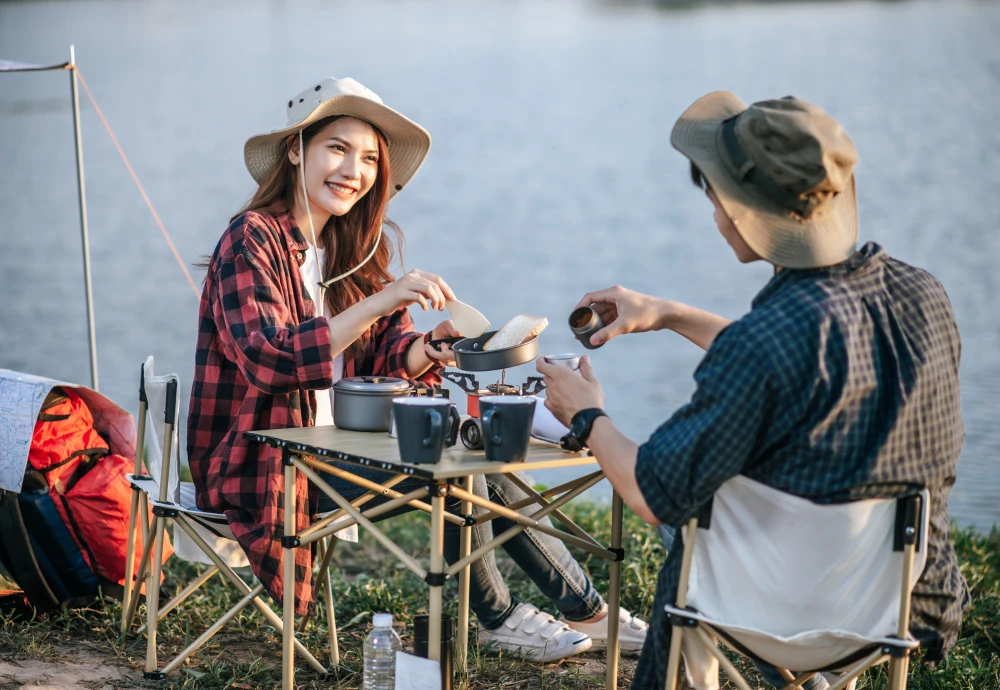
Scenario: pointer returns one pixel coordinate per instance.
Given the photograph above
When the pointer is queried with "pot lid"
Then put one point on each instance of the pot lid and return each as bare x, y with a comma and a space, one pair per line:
372, 384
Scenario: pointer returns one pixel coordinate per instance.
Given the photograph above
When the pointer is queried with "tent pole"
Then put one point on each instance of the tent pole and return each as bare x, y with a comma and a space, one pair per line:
82, 192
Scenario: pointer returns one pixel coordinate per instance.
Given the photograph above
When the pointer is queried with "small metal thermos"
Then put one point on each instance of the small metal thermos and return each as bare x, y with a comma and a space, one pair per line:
421, 625
585, 322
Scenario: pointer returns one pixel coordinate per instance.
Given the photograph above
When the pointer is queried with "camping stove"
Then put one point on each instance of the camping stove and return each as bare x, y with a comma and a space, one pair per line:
472, 428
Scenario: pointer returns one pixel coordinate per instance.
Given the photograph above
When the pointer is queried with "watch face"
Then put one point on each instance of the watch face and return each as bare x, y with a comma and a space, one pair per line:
578, 425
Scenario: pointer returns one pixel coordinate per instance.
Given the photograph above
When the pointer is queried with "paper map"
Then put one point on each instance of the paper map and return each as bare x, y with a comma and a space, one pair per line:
21, 396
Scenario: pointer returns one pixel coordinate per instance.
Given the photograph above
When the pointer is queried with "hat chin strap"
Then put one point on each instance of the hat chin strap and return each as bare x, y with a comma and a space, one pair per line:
305, 196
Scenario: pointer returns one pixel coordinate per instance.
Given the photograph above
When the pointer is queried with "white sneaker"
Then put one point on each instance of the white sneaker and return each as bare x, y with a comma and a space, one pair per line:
631, 632
535, 636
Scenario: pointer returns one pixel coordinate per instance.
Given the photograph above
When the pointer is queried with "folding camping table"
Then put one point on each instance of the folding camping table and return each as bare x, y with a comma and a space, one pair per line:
315, 449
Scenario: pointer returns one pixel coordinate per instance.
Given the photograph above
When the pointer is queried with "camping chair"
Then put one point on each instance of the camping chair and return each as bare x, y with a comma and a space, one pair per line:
203, 537
798, 585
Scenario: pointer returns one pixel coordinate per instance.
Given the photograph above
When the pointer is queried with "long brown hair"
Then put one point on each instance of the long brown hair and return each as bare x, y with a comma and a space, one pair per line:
346, 239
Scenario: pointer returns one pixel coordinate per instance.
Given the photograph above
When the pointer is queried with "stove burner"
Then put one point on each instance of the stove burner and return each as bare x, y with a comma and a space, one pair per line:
472, 428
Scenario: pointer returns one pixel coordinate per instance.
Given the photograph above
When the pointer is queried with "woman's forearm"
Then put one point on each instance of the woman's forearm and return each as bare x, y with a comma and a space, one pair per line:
699, 326
350, 324
417, 361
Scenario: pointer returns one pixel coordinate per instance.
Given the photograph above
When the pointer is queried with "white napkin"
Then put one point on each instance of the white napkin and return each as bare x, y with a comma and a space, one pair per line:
544, 425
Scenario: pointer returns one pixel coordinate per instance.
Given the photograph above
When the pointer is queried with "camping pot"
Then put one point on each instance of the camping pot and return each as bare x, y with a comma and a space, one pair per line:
364, 403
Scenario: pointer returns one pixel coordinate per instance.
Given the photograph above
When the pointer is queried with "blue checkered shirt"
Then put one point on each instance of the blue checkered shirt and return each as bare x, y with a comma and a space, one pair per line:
840, 384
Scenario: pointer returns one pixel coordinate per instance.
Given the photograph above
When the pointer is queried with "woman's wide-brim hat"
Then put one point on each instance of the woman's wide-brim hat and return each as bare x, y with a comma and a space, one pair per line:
408, 142
783, 171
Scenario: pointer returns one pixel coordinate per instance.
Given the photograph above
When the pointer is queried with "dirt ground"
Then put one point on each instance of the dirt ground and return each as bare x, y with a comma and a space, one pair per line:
81, 668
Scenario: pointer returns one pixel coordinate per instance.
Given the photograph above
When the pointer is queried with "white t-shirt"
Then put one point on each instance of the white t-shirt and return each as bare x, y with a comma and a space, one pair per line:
311, 276
324, 399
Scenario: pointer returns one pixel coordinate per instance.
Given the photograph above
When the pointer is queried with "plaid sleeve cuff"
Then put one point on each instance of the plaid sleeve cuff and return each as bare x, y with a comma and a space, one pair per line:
311, 346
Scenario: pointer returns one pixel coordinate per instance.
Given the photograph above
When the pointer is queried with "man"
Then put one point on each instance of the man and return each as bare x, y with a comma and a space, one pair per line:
840, 384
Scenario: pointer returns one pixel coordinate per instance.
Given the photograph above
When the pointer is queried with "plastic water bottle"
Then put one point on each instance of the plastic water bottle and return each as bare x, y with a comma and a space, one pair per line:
381, 646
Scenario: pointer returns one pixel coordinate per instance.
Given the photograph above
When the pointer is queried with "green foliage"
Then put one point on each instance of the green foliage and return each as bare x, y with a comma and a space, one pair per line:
245, 654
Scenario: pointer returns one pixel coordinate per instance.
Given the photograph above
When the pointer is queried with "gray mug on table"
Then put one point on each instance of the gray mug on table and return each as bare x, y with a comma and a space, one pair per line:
506, 426
424, 426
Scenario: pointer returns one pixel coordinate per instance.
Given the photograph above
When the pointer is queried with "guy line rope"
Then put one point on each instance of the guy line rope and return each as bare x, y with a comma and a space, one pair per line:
135, 178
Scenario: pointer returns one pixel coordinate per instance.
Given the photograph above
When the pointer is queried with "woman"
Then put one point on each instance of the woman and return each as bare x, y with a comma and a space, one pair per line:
272, 341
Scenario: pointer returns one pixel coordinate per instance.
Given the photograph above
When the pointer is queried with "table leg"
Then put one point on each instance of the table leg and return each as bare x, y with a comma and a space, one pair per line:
462, 635
288, 557
614, 593
435, 576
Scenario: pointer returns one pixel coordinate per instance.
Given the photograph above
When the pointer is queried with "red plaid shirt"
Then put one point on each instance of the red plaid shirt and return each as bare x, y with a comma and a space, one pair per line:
262, 353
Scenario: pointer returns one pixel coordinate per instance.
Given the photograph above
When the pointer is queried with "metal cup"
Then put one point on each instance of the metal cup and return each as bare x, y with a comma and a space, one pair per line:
585, 322
568, 360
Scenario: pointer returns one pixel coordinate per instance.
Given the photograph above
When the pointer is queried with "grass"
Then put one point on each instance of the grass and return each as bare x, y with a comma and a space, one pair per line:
246, 653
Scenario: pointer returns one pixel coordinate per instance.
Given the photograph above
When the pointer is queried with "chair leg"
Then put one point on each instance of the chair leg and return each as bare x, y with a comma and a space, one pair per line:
133, 603
272, 618
153, 595
898, 669
674, 658
130, 561
216, 627
187, 591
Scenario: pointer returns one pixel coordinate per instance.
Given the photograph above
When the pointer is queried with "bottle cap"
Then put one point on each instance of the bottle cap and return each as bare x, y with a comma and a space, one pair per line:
382, 620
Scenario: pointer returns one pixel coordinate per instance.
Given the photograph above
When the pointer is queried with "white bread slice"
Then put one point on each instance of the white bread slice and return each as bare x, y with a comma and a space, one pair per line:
521, 328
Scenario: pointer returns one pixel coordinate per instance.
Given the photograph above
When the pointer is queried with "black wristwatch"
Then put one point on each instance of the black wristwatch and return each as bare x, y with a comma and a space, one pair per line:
579, 429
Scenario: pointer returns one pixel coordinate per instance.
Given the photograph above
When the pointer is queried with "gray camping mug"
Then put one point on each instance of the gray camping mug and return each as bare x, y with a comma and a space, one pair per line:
506, 426
424, 426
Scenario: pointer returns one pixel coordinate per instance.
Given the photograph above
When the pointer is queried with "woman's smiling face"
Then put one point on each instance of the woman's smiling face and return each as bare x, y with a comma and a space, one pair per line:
341, 164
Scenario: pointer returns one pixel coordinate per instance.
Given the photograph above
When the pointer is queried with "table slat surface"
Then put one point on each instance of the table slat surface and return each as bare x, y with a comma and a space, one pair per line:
378, 449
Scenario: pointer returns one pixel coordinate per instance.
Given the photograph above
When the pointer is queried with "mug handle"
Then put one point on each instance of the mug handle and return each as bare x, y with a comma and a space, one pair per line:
456, 422
491, 424
434, 417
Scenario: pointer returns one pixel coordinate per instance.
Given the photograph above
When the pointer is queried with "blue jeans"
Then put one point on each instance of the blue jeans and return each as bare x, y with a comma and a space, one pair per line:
543, 558
768, 672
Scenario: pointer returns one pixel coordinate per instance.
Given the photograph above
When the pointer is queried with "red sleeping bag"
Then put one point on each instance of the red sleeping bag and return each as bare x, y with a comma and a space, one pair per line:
87, 484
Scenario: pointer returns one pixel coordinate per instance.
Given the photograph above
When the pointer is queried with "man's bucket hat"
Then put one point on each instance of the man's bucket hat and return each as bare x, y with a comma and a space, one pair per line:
408, 142
783, 171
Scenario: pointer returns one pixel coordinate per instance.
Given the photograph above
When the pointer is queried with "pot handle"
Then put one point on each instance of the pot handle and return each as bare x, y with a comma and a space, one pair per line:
436, 423
491, 424
436, 344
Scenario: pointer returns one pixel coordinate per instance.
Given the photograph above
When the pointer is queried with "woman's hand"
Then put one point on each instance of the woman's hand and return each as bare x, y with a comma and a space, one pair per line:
416, 287
444, 356
624, 311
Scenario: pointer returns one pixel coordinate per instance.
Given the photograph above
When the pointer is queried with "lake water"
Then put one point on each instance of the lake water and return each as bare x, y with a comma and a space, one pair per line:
551, 172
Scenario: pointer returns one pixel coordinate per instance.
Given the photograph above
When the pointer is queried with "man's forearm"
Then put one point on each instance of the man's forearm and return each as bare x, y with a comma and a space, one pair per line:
699, 326
617, 455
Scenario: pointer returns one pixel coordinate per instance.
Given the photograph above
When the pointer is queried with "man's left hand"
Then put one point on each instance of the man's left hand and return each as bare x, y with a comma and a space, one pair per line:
567, 392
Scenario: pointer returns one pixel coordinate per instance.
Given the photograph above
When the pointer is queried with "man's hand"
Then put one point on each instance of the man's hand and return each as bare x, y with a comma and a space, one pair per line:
567, 392
624, 311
